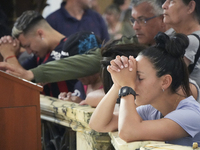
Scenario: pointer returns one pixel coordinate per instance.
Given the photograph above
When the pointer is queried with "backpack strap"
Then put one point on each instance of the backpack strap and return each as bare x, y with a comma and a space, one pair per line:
191, 66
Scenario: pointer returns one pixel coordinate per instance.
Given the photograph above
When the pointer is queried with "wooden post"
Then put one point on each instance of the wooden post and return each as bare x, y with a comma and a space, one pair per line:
20, 126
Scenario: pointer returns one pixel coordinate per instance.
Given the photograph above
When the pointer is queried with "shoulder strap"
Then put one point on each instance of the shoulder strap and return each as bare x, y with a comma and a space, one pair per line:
191, 66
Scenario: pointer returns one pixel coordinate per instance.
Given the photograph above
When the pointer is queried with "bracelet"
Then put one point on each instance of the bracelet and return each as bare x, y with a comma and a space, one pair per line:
9, 57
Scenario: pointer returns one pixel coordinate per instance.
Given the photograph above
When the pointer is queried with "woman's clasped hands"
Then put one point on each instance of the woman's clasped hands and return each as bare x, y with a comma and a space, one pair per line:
123, 71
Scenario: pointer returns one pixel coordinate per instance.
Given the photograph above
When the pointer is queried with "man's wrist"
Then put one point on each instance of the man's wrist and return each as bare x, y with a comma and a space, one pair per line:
9, 57
30, 75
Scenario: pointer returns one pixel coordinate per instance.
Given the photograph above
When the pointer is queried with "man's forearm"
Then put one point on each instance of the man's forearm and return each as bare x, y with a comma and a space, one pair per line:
68, 68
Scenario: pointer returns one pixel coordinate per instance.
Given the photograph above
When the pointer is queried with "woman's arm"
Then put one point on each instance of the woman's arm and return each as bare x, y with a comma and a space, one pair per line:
131, 127
103, 119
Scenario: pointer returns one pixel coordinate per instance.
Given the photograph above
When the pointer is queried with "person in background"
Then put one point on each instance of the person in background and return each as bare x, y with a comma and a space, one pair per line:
95, 6
116, 28
125, 8
52, 6
184, 17
32, 32
93, 91
77, 15
148, 91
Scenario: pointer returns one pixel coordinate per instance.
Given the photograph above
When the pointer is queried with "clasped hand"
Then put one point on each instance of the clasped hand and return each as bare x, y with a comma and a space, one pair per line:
123, 71
9, 46
69, 97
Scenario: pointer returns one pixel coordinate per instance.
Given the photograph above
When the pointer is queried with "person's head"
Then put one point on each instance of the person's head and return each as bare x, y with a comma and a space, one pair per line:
112, 14
147, 19
109, 52
30, 29
161, 69
95, 5
177, 11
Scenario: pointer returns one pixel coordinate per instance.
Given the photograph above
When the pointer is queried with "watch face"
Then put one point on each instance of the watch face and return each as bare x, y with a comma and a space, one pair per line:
126, 91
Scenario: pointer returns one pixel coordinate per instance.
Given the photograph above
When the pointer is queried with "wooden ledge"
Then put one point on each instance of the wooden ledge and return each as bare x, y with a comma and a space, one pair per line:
120, 144
65, 113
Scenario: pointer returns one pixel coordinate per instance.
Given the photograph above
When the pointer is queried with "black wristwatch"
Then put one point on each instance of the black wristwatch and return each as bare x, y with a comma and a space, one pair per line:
126, 91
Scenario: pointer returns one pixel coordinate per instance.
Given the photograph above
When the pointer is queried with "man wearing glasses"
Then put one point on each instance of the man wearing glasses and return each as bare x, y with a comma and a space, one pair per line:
147, 21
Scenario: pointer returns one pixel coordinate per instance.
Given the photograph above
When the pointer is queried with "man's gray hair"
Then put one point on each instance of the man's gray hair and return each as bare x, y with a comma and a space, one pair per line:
25, 22
156, 5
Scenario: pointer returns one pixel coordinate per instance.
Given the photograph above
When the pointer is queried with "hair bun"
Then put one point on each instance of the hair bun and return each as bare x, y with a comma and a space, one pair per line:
161, 40
174, 45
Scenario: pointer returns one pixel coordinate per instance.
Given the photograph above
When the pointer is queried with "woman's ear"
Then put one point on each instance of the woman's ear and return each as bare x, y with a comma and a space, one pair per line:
191, 7
166, 81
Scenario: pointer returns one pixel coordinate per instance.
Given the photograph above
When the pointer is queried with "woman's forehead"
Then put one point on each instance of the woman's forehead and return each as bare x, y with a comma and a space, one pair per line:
143, 63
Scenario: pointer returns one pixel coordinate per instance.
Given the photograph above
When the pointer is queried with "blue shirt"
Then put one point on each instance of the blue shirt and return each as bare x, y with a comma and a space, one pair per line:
187, 115
64, 23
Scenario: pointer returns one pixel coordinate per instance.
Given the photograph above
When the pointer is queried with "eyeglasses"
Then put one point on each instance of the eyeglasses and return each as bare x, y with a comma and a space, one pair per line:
141, 20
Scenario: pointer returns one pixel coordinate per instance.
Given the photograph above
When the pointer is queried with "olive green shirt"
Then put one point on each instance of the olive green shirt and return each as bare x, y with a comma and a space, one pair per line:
73, 67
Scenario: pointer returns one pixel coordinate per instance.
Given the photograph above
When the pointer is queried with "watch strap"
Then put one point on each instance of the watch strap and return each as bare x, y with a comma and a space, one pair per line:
124, 91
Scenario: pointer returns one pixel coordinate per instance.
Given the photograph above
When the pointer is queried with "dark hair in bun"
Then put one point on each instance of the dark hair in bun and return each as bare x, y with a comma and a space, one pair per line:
167, 58
175, 45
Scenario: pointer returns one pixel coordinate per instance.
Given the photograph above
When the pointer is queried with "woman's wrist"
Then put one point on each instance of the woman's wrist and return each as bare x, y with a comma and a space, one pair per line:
129, 85
116, 86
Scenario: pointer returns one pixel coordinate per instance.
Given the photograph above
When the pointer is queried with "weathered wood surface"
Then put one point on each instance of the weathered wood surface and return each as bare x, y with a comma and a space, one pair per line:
120, 144
76, 117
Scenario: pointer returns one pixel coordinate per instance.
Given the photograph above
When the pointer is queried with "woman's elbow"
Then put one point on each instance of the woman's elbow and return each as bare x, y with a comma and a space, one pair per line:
94, 126
99, 128
126, 136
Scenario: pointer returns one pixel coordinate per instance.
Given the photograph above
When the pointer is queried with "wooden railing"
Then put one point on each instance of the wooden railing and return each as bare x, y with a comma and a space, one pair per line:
73, 119
65, 126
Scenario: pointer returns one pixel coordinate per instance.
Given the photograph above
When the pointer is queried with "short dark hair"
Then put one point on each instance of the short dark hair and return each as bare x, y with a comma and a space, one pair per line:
167, 58
25, 22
